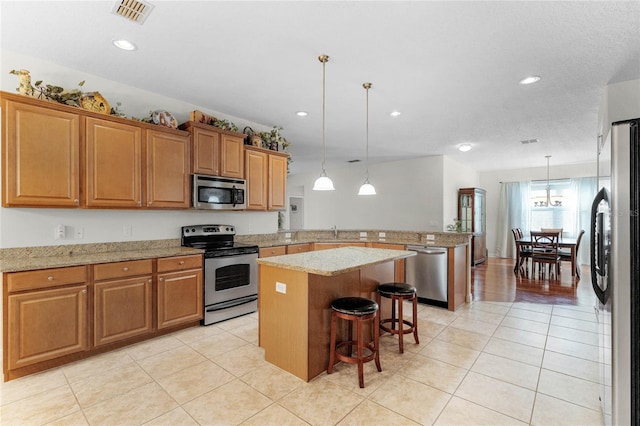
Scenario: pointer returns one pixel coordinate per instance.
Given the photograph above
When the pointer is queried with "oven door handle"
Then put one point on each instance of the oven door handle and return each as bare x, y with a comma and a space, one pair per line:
232, 303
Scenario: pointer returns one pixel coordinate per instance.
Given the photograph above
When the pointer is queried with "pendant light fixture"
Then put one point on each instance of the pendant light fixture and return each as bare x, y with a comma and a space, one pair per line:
557, 202
323, 183
367, 188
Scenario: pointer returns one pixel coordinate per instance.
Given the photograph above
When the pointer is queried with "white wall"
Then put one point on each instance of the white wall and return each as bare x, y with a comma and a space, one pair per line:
413, 194
35, 227
491, 182
620, 101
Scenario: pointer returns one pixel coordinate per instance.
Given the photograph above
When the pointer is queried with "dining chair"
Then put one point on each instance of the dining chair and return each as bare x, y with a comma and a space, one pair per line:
524, 251
565, 255
558, 230
544, 246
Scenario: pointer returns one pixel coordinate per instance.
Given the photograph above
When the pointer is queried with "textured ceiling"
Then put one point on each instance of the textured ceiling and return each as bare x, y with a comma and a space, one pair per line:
451, 68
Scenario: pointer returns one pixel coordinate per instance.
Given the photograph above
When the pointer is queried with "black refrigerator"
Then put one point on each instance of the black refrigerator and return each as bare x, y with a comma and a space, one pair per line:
615, 275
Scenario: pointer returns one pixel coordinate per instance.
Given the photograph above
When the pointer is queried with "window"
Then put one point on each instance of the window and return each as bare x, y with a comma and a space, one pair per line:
555, 208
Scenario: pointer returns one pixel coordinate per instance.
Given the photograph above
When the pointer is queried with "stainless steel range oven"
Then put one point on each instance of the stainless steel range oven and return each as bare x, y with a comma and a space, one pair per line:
230, 271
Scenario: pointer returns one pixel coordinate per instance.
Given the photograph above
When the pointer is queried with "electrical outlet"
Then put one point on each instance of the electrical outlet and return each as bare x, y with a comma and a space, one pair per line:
78, 233
281, 287
431, 237
59, 232
382, 234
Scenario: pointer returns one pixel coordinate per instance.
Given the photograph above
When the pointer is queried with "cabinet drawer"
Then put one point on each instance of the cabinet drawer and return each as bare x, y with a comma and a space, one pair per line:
131, 268
28, 280
298, 248
273, 251
179, 262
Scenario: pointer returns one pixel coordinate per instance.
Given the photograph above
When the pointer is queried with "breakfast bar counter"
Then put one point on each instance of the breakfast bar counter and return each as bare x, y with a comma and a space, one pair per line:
295, 293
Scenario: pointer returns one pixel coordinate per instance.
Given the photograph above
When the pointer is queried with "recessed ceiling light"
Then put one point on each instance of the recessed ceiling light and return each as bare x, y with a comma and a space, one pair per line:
395, 113
530, 80
464, 147
302, 113
124, 45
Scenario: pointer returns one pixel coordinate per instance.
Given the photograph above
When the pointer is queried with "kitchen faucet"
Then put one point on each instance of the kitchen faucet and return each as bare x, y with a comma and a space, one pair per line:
335, 232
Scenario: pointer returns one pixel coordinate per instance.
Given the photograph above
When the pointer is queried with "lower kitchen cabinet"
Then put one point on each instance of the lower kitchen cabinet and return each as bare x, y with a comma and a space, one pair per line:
59, 315
45, 324
179, 293
272, 251
122, 309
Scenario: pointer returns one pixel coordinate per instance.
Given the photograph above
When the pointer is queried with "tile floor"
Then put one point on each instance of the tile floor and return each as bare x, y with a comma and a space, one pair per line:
490, 363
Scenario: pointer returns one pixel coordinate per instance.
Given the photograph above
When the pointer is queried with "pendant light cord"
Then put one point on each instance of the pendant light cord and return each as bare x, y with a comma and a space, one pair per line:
367, 86
323, 59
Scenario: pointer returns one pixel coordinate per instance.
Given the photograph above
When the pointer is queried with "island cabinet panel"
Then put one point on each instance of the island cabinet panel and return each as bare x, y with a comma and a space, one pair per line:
40, 156
122, 305
167, 171
113, 164
284, 319
45, 324
180, 292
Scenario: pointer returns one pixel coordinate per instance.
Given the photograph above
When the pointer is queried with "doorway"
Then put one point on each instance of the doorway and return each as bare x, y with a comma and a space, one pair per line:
296, 213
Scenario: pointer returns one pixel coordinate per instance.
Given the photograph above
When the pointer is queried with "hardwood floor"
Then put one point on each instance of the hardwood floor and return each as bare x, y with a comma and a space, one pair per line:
494, 280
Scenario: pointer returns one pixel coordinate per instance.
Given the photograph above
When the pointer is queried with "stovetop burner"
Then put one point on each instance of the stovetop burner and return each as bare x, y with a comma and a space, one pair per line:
216, 240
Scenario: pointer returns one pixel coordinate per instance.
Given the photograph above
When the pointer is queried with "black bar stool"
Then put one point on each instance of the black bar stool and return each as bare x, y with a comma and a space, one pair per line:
399, 292
356, 309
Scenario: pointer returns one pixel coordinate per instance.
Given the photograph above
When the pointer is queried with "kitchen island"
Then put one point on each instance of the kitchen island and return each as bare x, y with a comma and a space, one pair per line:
295, 293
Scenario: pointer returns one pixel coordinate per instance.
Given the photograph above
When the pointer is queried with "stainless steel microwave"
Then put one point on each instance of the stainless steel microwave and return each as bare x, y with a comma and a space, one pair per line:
218, 193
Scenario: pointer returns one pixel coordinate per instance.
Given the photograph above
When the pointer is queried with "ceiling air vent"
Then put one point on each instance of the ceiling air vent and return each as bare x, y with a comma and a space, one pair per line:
528, 141
353, 161
133, 10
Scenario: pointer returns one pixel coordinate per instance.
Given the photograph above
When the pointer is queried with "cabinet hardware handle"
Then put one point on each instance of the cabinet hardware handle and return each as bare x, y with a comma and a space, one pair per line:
50, 278
76, 201
160, 279
150, 280
84, 291
125, 269
182, 262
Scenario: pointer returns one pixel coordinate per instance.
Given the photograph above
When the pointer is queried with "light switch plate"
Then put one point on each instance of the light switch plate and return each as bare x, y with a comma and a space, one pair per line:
382, 234
281, 287
431, 237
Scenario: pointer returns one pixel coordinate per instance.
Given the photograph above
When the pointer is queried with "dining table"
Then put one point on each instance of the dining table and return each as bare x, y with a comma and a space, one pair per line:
563, 243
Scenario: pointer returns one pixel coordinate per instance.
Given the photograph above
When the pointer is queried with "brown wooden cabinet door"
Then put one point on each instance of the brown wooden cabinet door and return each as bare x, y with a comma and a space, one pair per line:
45, 324
256, 176
231, 156
277, 182
399, 264
113, 164
206, 152
179, 298
272, 251
167, 170
41, 157
122, 309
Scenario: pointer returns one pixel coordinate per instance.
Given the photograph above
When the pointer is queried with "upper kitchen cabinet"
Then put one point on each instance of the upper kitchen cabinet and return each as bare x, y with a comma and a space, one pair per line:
472, 215
122, 159
266, 176
113, 164
167, 170
40, 154
216, 152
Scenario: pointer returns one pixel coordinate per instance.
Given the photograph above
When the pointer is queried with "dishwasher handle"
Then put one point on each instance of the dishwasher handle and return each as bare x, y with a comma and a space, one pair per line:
427, 250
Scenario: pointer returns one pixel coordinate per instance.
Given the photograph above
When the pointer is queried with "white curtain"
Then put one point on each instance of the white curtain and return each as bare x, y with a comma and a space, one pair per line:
512, 213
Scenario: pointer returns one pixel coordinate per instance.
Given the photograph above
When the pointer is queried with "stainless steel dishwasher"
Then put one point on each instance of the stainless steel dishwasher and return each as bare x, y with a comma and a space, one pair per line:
427, 272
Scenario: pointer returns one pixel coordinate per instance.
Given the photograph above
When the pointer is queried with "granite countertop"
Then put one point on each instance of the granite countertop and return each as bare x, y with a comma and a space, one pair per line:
335, 261
30, 263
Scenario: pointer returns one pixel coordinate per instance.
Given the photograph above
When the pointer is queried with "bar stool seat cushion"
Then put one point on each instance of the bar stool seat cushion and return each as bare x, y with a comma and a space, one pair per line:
354, 306
396, 289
